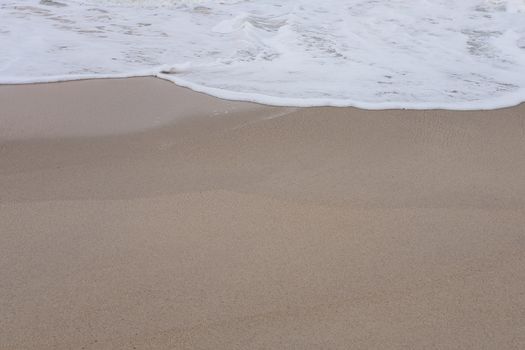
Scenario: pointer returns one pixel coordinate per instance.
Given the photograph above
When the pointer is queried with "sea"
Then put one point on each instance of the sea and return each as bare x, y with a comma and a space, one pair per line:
372, 54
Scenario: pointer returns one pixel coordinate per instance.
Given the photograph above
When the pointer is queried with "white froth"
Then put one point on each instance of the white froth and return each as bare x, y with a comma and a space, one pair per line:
371, 54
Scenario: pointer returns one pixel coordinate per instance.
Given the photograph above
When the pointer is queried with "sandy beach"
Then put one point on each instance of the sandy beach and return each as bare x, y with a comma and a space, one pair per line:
135, 214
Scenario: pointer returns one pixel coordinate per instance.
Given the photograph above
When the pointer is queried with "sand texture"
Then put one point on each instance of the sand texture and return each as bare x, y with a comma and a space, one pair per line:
138, 215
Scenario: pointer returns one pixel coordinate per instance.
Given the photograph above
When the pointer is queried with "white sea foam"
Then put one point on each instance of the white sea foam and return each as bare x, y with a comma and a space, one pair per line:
467, 54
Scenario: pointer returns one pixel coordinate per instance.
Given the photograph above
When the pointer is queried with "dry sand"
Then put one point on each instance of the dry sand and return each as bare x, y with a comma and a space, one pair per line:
136, 214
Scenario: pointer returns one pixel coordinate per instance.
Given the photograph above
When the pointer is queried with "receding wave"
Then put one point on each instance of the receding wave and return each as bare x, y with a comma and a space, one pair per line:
371, 54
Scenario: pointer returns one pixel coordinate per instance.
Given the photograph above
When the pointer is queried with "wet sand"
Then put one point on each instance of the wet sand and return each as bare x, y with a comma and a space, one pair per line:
137, 214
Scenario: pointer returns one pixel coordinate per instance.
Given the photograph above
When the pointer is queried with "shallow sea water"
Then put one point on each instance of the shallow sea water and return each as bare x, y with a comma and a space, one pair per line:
372, 54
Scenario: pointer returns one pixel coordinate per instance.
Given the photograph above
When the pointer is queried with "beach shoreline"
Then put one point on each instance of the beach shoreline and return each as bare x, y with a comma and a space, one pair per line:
136, 213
